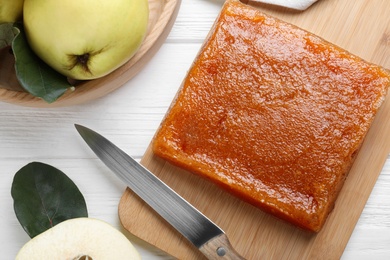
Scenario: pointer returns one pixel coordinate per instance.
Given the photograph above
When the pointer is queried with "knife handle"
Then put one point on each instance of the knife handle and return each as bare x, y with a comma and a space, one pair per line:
220, 248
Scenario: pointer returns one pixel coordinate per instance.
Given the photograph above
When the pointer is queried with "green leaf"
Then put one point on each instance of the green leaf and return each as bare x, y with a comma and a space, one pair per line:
44, 196
35, 76
7, 34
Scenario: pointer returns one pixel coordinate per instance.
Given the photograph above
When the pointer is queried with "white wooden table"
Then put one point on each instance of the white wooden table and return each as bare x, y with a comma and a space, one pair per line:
130, 117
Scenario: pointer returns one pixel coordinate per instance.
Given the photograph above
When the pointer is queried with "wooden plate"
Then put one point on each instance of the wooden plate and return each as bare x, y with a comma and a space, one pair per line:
161, 19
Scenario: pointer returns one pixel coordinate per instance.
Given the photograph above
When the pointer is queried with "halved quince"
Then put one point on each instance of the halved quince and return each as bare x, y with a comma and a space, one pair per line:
79, 239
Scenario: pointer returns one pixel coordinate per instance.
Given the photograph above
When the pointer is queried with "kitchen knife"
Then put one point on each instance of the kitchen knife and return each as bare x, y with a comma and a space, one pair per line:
292, 4
192, 224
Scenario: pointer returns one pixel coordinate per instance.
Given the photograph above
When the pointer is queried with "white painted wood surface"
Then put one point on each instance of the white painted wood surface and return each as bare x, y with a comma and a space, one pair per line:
129, 117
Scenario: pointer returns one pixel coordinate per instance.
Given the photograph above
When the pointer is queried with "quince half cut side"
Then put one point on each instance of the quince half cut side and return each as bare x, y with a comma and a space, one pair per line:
79, 238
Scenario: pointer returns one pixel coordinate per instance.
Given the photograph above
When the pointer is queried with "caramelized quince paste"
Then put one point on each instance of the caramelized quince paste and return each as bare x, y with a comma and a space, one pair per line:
272, 113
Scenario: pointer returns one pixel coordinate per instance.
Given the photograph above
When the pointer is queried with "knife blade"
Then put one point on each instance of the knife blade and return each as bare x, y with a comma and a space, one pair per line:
186, 219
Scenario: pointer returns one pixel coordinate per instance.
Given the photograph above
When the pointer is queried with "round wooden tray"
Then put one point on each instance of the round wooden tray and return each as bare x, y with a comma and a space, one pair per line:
162, 15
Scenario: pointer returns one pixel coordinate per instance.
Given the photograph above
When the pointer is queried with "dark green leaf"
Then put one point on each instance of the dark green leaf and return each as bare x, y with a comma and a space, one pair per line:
35, 76
7, 34
44, 196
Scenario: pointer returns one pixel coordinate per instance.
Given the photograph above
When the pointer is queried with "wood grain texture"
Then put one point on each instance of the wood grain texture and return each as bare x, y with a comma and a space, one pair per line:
220, 247
354, 27
162, 15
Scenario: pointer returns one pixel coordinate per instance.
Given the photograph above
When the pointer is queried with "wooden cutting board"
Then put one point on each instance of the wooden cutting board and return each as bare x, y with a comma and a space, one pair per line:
361, 27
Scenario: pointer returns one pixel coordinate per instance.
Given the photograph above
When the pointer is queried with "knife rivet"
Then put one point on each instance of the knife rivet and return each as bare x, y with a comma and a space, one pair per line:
221, 251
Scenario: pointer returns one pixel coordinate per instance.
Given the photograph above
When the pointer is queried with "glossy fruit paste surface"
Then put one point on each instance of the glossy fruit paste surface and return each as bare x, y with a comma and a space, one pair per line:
272, 113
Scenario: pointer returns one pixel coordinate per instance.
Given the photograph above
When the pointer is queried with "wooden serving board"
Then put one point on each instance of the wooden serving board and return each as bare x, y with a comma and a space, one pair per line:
162, 15
363, 28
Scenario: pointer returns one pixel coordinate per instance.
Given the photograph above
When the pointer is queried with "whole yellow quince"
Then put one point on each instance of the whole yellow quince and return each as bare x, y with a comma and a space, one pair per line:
11, 10
85, 39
